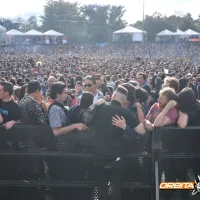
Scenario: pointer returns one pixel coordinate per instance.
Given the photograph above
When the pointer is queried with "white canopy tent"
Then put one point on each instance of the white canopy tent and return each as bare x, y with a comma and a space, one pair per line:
53, 37
129, 29
15, 37
34, 33
53, 33
34, 37
165, 35
2, 28
192, 36
14, 32
180, 33
191, 32
134, 33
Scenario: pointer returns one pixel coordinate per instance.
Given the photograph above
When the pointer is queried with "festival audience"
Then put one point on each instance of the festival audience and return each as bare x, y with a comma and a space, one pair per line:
147, 69
58, 115
164, 112
90, 85
189, 108
171, 82
131, 104
76, 112
9, 110
30, 106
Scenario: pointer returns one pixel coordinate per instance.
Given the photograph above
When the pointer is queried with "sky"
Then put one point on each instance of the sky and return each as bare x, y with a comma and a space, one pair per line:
23, 8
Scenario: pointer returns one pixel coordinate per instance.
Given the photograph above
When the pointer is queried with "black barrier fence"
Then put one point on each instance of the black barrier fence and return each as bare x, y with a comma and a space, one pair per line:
34, 164
178, 159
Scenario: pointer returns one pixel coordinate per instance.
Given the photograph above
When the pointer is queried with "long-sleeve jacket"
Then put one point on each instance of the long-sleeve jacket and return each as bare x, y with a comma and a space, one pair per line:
31, 112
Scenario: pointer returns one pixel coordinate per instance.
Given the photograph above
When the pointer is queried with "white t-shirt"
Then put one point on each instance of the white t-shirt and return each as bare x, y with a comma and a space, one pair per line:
95, 98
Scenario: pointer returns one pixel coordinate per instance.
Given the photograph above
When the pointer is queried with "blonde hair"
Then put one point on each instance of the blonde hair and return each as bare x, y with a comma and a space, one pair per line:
169, 93
173, 83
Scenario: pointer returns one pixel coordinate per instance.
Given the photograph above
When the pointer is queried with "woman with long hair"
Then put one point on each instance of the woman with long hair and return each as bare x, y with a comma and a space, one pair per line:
189, 108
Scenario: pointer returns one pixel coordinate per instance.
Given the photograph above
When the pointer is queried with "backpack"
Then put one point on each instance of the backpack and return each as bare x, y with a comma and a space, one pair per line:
76, 114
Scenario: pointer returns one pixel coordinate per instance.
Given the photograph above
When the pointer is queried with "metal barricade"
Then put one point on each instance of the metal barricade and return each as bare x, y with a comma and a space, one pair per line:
34, 164
178, 158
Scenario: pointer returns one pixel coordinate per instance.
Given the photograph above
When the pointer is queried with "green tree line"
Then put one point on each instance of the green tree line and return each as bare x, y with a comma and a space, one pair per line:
96, 23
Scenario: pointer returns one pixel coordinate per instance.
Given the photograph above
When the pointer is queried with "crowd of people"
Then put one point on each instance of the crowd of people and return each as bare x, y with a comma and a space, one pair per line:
162, 83
116, 89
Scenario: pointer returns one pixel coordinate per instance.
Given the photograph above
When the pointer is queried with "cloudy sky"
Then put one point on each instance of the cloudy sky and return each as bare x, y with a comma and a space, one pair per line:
15, 8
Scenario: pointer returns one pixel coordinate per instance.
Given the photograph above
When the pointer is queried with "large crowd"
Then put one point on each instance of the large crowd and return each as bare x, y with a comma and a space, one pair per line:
116, 89
162, 80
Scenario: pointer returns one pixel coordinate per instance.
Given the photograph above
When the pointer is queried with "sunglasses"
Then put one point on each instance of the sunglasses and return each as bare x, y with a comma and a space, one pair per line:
88, 85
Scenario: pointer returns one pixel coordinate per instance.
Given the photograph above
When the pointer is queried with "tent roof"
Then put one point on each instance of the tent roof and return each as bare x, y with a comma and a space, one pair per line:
34, 33
53, 33
129, 29
179, 32
14, 32
165, 32
191, 32
2, 28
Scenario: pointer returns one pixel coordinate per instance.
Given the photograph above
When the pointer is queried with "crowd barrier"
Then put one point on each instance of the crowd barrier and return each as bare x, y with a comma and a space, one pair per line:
34, 164
177, 159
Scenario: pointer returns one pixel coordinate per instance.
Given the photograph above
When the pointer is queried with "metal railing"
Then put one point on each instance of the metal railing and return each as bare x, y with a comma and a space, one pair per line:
34, 164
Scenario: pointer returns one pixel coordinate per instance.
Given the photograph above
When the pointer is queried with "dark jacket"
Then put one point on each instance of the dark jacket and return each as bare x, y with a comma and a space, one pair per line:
31, 112
76, 114
107, 138
156, 90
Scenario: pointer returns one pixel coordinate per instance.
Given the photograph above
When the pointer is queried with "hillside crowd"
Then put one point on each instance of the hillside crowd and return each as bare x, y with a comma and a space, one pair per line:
162, 83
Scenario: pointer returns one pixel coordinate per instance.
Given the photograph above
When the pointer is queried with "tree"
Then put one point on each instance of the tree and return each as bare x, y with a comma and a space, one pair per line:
9, 24
91, 23
97, 18
64, 17
31, 23
103, 21
96, 23
21, 22
115, 19
156, 23
153, 25
197, 23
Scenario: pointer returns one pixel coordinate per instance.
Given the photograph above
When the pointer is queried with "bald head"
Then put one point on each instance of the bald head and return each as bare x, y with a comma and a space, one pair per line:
120, 94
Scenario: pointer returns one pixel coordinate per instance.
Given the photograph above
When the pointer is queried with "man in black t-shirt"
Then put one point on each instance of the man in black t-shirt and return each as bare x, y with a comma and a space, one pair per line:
108, 142
9, 110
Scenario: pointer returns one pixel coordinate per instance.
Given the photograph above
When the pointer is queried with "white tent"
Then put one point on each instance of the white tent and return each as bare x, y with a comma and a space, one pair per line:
179, 32
2, 28
34, 33
53, 33
15, 37
130, 31
14, 32
180, 35
191, 32
165, 33
165, 36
